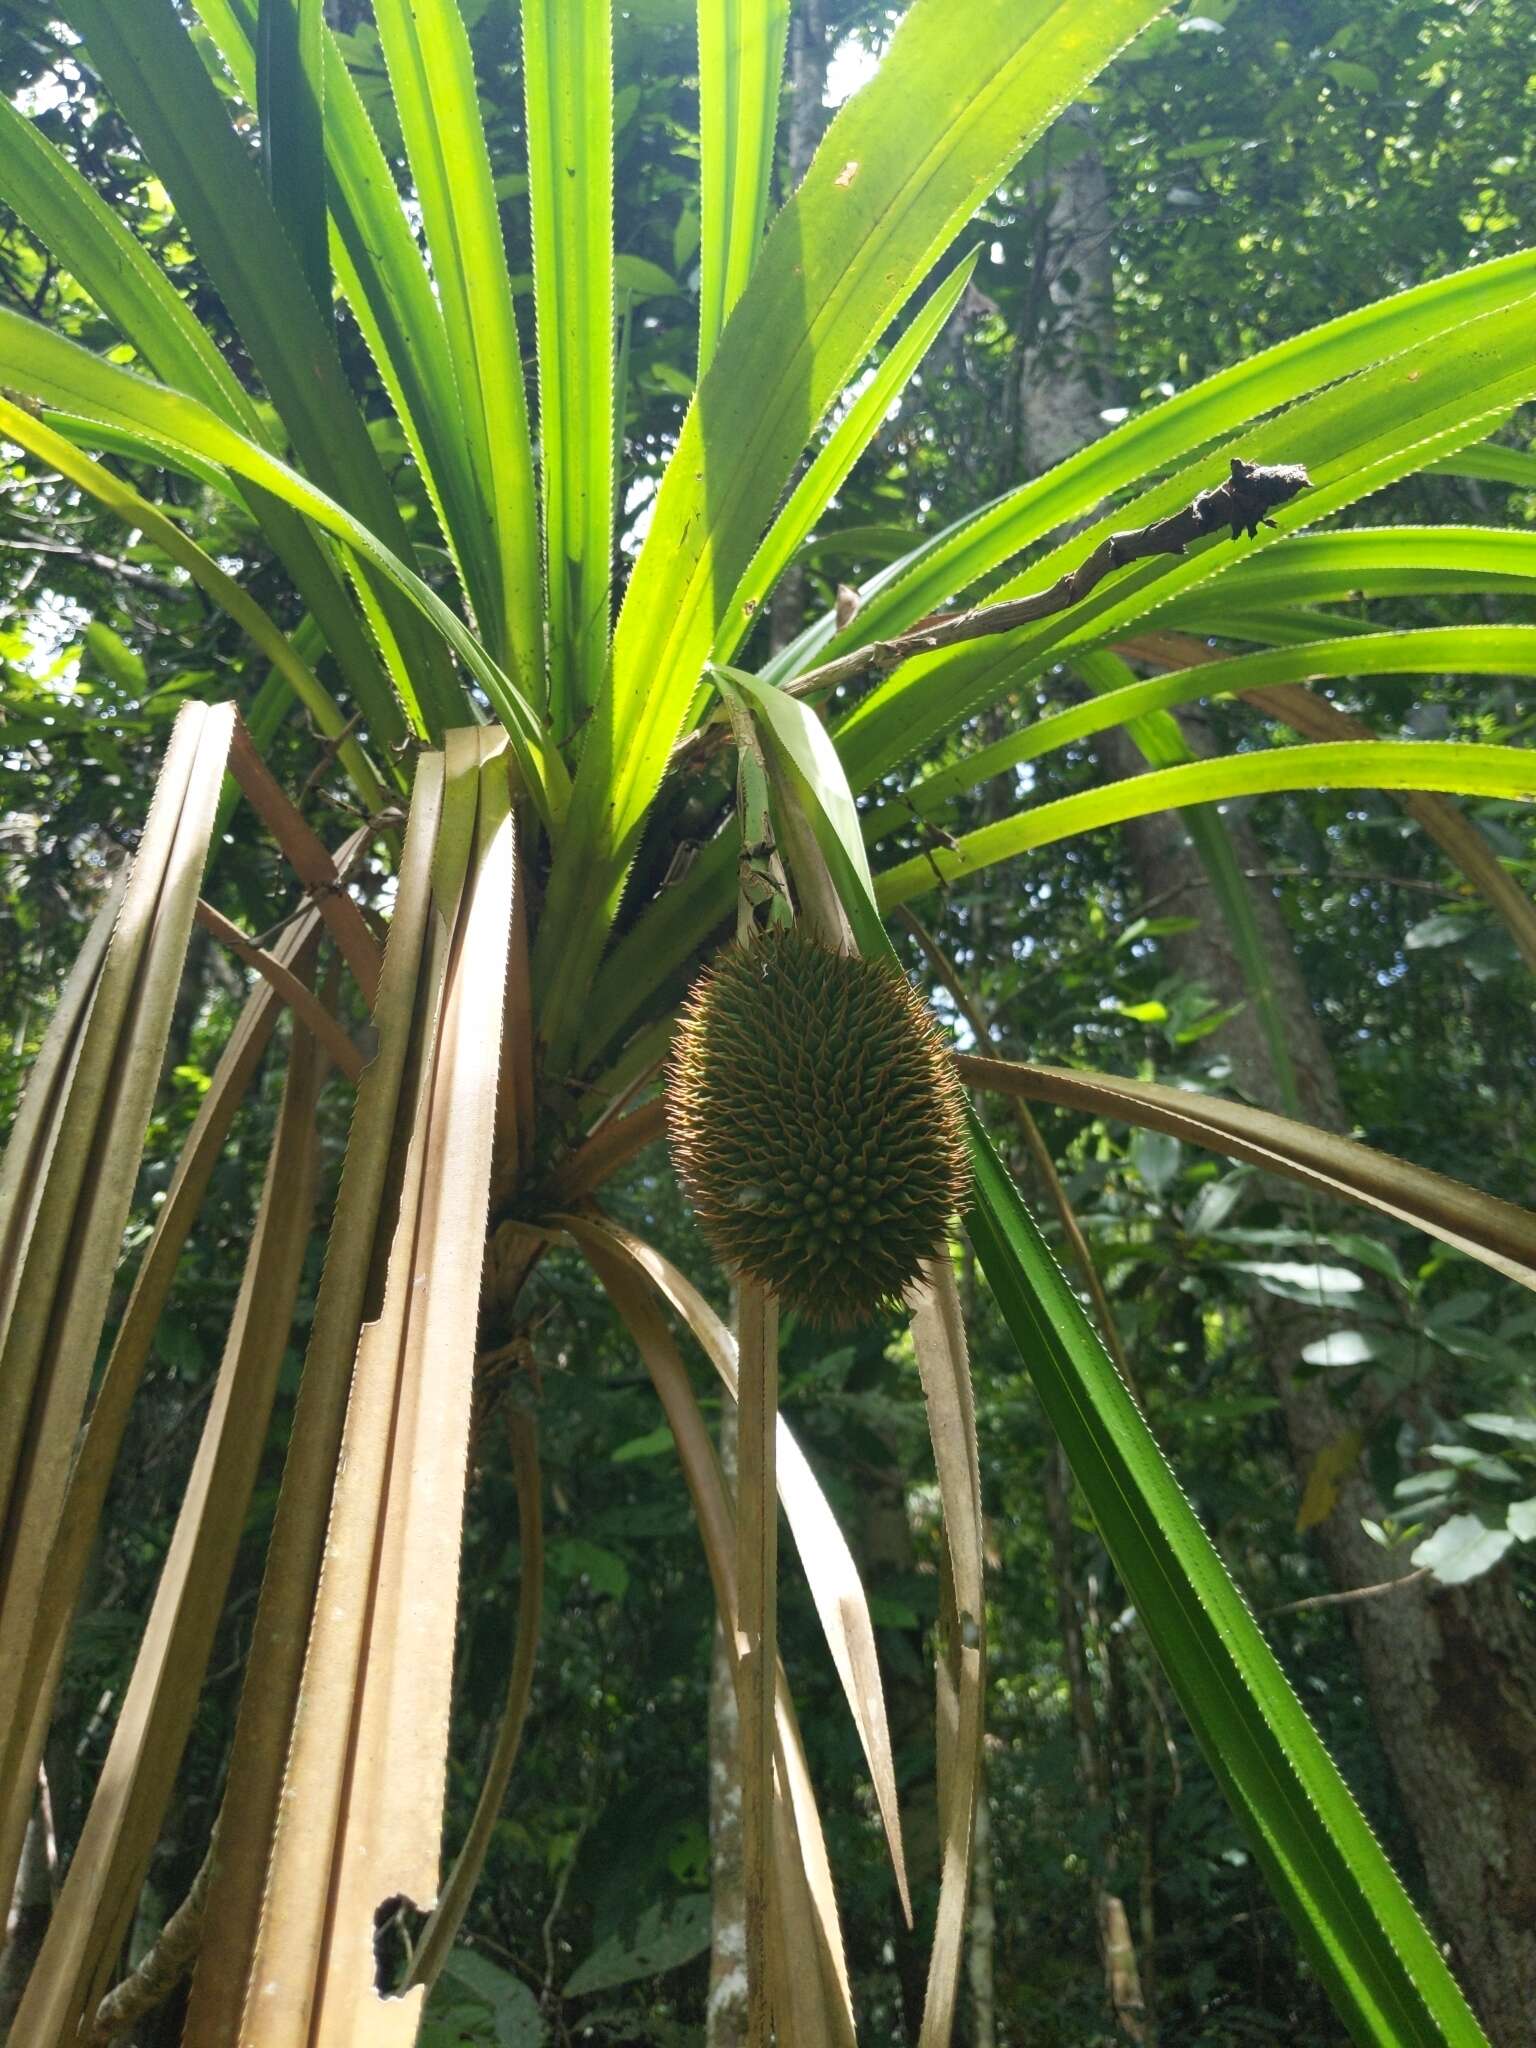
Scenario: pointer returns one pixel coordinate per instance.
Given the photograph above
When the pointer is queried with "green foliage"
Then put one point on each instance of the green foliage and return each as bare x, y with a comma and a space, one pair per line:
369, 472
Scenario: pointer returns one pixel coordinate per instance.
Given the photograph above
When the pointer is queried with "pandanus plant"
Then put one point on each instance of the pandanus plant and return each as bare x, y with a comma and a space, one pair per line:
529, 759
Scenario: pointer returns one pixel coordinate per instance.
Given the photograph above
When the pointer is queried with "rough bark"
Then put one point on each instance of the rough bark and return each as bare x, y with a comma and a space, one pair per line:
1063, 366
27, 1920
1117, 1951
1450, 1674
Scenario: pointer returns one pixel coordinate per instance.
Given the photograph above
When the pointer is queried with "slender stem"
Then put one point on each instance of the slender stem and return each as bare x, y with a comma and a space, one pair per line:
167, 1962
1352, 1593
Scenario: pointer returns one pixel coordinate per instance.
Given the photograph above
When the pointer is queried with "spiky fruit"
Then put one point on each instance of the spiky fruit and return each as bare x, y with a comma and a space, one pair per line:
816, 1124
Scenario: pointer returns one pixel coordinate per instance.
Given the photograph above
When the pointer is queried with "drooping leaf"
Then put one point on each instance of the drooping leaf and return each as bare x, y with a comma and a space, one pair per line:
808, 1973
1385, 1975
96, 1904
113, 267
137, 513
253, 1793
828, 1564
1500, 1234
151, 417
1430, 650
1469, 770
1383, 1971
158, 82
365, 1772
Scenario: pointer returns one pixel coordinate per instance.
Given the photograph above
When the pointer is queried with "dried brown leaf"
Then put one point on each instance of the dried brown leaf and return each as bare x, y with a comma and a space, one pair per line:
386, 1103
68, 1198
841, 1604
93, 1911
360, 1822
1498, 1233
813, 2004
938, 1338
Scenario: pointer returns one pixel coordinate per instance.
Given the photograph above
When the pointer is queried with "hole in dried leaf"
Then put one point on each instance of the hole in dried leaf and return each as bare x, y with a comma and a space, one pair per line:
397, 1925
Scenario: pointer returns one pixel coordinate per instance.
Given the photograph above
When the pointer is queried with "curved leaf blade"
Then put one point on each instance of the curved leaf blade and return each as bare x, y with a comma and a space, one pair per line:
155, 418
1499, 1234
1346, 1903
61, 208
828, 1563
1209, 412
1349, 1909
137, 512
1431, 650
385, 281
157, 80
1463, 770
1353, 439
1369, 561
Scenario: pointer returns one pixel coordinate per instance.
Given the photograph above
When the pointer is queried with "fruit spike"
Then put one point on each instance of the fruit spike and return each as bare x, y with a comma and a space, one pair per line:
816, 1125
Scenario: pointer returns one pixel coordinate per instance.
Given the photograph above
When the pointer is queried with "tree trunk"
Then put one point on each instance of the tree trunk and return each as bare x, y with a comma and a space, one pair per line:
1117, 1951
27, 1920
1450, 1673
981, 1940
1063, 367
725, 2016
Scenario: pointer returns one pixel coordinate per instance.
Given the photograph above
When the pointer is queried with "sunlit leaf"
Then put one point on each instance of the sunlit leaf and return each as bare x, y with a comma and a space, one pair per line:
1462, 1548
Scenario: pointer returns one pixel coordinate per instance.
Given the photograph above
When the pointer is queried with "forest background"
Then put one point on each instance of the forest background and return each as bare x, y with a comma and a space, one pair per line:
1245, 172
